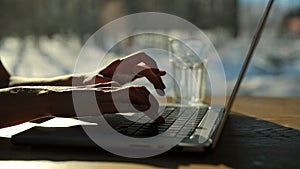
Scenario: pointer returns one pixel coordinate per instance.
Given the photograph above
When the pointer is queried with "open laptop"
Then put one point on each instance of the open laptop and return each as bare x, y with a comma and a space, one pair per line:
198, 128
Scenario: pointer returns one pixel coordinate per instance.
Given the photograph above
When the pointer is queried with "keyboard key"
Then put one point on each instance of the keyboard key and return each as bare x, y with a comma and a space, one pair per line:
179, 122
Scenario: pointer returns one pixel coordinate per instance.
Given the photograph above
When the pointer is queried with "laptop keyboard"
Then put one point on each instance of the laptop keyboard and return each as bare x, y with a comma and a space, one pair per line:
178, 121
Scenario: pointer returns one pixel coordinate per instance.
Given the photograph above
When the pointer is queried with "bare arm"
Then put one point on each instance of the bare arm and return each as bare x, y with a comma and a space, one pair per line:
8, 80
19, 105
19, 102
120, 71
25, 103
65, 80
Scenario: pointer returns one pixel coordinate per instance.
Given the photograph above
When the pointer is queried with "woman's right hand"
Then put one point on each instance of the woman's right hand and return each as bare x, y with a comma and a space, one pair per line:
109, 99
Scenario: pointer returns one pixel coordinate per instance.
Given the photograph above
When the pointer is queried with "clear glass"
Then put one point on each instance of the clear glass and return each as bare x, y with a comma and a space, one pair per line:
189, 73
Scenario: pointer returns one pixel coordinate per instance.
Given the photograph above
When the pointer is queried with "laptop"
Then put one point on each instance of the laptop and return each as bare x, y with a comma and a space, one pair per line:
198, 128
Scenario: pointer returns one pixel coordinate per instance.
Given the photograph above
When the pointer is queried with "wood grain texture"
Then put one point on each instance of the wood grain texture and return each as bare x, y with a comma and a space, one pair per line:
283, 111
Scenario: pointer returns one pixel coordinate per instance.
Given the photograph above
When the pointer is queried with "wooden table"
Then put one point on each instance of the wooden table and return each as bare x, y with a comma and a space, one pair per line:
262, 133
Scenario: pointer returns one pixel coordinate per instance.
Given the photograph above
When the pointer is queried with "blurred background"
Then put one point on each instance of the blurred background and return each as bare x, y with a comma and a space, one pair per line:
44, 38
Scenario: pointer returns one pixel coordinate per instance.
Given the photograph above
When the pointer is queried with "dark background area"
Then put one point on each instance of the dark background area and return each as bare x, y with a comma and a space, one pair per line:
81, 17
35, 34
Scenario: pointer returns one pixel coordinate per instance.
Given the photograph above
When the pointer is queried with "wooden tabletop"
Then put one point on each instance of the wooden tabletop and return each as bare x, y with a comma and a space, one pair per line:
261, 133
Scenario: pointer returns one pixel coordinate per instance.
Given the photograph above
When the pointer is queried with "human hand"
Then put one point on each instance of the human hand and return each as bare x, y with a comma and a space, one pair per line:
134, 66
109, 99
129, 99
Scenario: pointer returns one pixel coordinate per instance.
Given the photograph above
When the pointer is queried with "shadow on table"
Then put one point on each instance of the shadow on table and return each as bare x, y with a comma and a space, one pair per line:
245, 143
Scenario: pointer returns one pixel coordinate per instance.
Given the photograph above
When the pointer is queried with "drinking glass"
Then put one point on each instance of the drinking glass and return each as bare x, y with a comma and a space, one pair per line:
189, 74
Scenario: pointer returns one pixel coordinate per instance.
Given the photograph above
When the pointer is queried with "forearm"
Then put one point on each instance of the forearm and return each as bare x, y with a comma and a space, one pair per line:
65, 80
25, 103
7, 80
19, 105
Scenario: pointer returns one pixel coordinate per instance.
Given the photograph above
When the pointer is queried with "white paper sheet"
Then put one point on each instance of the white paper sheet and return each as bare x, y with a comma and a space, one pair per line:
8, 132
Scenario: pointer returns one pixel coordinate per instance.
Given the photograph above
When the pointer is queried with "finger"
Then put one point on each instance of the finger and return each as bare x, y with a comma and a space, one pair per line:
139, 57
136, 100
152, 112
140, 101
110, 108
139, 95
119, 101
155, 79
159, 72
162, 73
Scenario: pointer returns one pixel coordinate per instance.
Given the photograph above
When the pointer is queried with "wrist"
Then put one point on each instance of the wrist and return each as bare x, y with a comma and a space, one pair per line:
65, 80
61, 103
110, 69
43, 103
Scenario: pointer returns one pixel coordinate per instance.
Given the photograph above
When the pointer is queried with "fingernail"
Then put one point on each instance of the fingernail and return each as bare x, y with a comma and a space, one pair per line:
164, 86
162, 83
160, 92
160, 120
